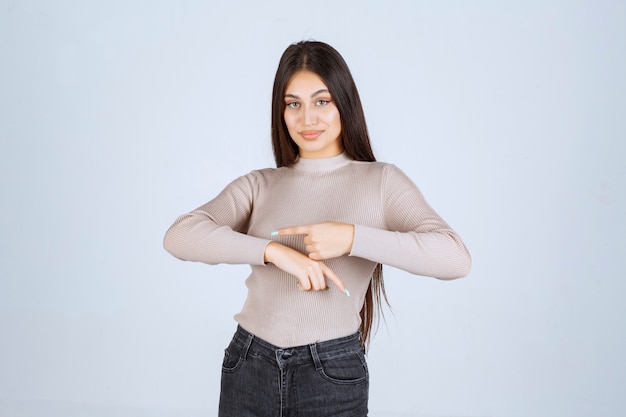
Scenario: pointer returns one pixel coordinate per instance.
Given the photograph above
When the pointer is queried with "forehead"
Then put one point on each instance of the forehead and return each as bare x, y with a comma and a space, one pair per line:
305, 81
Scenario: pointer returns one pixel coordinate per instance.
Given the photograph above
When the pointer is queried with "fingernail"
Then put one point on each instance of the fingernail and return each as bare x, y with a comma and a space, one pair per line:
274, 233
327, 288
347, 292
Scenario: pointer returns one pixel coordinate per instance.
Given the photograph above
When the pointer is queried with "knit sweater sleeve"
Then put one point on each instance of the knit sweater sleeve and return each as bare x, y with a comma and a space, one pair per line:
415, 238
216, 232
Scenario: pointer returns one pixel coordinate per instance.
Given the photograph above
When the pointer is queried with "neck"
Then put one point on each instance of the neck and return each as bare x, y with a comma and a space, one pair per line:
322, 164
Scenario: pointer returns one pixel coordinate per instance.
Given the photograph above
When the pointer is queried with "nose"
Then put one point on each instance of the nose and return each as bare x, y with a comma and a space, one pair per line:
310, 117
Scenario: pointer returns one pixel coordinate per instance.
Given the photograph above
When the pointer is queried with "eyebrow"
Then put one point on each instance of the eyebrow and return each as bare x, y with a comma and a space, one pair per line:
312, 95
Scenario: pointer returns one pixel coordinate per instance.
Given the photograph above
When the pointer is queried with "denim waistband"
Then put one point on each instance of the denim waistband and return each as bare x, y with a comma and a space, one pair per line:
253, 345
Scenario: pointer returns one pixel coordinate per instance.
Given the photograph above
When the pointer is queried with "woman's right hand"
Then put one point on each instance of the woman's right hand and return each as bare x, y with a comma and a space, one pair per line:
310, 274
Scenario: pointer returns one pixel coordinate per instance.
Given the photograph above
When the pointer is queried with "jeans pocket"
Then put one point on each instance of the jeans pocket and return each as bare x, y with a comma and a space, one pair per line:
347, 368
233, 358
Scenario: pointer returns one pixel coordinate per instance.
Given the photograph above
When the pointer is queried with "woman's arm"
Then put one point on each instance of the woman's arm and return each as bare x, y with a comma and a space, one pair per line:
416, 239
216, 232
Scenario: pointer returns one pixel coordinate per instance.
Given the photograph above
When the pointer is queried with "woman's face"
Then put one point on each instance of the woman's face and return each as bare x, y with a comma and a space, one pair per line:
311, 116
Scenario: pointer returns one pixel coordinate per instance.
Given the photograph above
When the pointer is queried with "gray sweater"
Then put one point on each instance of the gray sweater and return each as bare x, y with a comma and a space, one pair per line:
393, 225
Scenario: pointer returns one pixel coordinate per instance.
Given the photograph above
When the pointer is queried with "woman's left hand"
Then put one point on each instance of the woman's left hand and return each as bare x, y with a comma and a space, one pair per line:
324, 240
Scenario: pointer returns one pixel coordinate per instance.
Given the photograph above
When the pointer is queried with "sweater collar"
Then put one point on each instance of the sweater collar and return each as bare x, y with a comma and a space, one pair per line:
322, 164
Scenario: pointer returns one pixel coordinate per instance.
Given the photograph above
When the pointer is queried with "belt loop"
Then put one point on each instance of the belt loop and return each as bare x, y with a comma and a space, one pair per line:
315, 356
246, 347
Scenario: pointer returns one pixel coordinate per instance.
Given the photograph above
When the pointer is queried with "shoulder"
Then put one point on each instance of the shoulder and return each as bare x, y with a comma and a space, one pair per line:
253, 183
383, 169
263, 176
390, 177
267, 173
262, 173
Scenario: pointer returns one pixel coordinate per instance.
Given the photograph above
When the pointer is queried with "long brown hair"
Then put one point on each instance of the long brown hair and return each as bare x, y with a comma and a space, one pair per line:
323, 60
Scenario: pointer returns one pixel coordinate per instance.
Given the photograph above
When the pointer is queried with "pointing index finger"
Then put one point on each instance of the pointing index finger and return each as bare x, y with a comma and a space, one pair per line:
330, 274
294, 230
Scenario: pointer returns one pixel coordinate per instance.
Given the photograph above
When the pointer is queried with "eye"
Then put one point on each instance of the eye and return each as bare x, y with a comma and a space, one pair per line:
293, 105
322, 102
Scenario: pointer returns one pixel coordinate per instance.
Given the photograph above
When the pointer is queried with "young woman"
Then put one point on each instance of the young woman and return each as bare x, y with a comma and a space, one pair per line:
315, 231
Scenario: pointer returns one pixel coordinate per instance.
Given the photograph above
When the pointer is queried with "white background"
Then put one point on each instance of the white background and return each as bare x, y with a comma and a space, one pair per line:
117, 116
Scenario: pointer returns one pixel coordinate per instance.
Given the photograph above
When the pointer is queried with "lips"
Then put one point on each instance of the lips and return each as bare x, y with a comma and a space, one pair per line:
310, 134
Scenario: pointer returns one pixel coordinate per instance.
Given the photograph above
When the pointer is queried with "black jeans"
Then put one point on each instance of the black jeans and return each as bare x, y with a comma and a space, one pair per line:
322, 379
